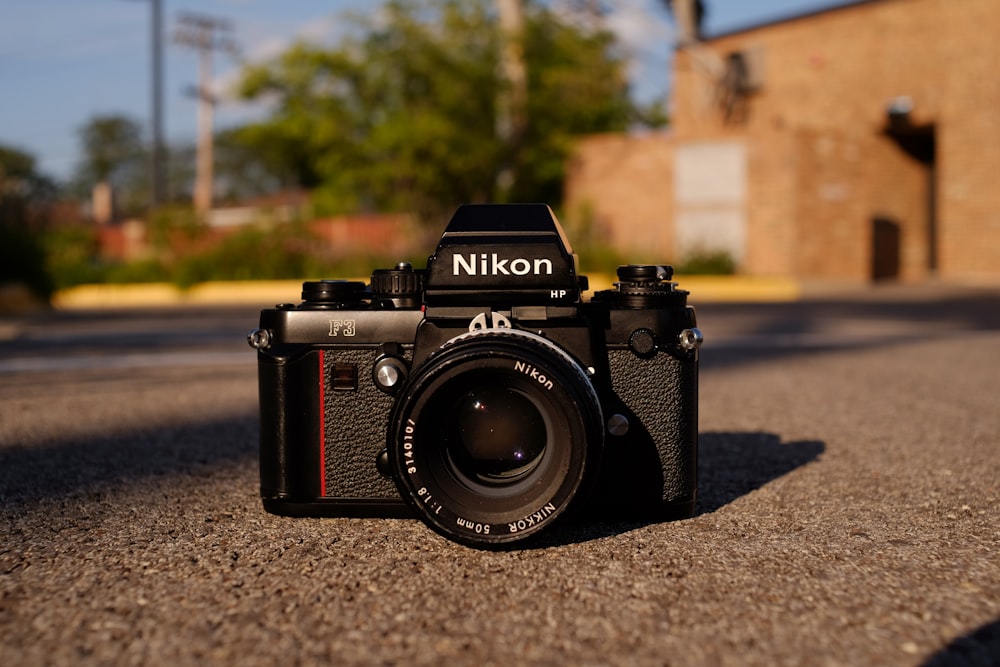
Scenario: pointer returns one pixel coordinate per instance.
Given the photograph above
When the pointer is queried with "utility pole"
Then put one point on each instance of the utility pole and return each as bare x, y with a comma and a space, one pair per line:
206, 35
158, 170
157, 162
512, 111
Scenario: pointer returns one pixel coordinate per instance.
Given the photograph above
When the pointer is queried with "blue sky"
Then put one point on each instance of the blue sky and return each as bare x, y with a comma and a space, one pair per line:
64, 61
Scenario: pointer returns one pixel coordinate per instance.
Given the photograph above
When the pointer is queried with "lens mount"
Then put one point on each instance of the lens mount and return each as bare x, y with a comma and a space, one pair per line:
494, 435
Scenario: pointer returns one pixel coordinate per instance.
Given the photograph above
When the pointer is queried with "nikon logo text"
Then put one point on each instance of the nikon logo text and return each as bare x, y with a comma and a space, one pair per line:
533, 373
491, 265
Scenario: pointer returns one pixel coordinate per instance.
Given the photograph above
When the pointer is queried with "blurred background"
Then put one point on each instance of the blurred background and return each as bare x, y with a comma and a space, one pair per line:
151, 141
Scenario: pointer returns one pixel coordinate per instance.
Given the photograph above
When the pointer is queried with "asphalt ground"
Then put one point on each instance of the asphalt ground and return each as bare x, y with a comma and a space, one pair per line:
848, 510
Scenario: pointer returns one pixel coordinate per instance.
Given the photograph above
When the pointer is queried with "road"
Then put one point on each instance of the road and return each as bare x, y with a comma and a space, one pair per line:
848, 510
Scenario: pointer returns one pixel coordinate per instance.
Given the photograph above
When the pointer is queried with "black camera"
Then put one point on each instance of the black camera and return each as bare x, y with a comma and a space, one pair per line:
483, 394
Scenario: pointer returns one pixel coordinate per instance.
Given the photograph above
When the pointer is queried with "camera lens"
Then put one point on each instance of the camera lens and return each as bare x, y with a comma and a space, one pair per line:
494, 436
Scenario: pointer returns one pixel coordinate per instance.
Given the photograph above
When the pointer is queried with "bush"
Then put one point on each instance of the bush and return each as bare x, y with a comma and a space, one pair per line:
250, 254
283, 252
716, 262
22, 260
71, 256
143, 271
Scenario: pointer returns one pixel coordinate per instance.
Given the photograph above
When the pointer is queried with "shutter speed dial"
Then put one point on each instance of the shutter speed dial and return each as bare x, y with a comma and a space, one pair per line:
401, 287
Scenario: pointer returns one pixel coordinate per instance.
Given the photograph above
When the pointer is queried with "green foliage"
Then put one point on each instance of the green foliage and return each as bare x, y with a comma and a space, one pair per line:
24, 194
22, 260
286, 251
250, 254
23, 189
108, 143
113, 152
599, 258
652, 115
403, 116
71, 256
707, 262
590, 243
175, 229
137, 271
240, 173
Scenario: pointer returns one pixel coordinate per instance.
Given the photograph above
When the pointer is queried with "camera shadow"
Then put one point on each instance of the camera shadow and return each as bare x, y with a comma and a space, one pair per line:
730, 465
99, 464
979, 647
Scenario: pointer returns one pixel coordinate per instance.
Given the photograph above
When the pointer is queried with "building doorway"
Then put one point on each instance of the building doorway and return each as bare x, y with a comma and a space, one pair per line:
909, 248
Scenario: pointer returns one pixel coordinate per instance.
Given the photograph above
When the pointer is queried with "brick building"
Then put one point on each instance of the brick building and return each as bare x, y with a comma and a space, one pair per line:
855, 143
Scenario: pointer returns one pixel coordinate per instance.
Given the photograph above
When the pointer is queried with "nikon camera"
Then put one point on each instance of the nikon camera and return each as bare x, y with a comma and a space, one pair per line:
483, 394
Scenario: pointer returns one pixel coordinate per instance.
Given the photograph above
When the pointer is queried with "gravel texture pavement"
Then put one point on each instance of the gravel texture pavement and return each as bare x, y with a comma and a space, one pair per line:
848, 515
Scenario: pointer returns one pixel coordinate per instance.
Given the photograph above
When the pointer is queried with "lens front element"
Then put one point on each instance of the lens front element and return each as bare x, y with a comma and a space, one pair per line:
498, 436
491, 437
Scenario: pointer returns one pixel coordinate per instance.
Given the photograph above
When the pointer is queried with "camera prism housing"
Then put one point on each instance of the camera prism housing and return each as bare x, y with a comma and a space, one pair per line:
484, 394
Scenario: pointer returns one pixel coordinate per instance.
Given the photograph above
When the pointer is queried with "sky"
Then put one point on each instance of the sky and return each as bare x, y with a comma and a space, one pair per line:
62, 62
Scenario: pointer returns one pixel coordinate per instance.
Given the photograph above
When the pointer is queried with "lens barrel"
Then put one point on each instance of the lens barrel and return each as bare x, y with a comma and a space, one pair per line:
494, 436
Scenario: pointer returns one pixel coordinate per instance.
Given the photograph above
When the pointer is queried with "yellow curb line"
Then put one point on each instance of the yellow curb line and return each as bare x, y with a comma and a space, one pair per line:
263, 292
740, 288
266, 293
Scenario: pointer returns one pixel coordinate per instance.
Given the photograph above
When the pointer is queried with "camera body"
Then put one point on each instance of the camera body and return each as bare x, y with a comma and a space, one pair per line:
484, 394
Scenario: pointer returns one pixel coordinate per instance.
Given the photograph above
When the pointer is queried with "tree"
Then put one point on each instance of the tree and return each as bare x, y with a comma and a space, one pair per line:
404, 114
241, 173
21, 185
113, 154
24, 194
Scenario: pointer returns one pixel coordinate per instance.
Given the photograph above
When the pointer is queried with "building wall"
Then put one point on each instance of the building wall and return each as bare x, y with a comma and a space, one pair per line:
833, 191
970, 145
617, 193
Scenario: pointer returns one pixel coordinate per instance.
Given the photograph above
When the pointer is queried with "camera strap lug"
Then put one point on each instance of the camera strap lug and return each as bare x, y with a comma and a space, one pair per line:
691, 339
492, 320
